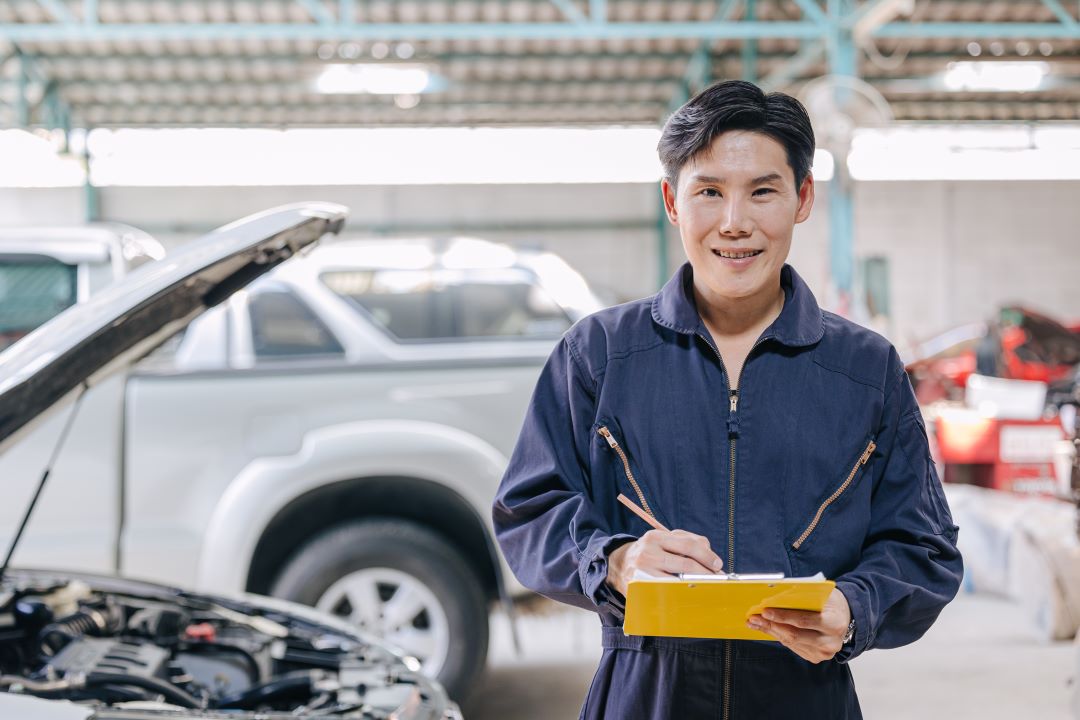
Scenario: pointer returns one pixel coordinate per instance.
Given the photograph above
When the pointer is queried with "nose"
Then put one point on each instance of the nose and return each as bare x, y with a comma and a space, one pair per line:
734, 220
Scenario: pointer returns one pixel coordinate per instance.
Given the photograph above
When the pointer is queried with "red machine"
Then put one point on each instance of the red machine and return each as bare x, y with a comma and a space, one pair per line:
1013, 455
1029, 346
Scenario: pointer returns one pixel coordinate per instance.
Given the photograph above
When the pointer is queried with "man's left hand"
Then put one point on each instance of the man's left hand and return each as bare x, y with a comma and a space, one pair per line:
813, 636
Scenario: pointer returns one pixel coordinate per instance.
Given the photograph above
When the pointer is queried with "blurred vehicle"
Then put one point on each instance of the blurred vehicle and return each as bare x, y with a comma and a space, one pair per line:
334, 435
44, 270
1020, 345
76, 646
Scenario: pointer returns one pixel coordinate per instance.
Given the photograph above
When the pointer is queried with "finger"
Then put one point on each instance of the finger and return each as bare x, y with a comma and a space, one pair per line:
693, 546
807, 644
806, 619
786, 634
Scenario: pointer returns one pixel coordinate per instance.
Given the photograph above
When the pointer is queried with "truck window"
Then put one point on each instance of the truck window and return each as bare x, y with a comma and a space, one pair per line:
283, 326
425, 305
33, 289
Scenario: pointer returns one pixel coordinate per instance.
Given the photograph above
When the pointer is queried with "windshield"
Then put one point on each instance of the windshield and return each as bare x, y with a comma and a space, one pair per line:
1050, 342
33, 289
444, 304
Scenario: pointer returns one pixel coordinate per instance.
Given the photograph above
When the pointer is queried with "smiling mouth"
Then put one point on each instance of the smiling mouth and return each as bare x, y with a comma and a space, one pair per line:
737, 255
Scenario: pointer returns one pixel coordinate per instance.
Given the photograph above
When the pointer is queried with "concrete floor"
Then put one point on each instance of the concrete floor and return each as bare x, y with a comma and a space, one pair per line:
979, 661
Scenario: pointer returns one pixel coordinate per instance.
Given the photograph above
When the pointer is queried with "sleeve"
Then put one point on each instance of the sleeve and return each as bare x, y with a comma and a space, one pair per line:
550, 532
910, 567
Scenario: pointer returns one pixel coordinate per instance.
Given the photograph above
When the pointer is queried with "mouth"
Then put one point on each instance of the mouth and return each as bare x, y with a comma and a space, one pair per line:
737, 254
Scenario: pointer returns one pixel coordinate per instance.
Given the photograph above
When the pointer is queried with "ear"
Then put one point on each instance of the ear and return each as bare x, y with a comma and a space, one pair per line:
669, 201
806, 199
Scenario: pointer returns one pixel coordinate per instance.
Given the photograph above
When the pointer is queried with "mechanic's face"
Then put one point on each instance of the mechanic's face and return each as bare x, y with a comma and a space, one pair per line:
736, 208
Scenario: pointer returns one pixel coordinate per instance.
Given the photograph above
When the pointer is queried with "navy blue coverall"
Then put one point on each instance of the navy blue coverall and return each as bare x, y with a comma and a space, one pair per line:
820, 463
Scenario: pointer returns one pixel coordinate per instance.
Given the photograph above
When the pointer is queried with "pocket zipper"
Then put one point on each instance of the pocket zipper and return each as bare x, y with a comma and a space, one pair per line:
839, 491
606, 434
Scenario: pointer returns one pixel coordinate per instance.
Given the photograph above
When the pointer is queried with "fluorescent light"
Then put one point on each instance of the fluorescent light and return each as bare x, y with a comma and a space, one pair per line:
373, 156
824, 165
1005, 152
374, 79
408, 156
991, 76
32, 160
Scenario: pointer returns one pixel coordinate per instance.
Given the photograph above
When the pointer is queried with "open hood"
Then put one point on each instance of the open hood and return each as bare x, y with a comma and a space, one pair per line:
87, 342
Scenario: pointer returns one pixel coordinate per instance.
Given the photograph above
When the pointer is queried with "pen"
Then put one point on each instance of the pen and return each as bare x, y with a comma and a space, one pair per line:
641, 513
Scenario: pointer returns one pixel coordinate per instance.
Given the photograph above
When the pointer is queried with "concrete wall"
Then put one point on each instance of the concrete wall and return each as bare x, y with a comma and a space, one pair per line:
955, 249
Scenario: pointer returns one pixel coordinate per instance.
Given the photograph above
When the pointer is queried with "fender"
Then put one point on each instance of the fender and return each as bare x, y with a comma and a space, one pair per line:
448, 456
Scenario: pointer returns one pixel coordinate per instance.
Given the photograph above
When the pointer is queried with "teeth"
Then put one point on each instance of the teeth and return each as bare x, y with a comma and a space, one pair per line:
736, 256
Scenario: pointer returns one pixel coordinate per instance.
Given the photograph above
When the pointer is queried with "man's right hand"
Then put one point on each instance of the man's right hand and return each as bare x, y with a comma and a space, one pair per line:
660, 552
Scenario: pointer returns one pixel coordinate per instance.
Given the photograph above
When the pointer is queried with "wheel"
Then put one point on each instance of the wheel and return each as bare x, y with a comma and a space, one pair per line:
402, 582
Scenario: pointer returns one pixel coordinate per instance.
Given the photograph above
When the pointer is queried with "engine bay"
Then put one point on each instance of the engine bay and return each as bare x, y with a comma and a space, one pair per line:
136, 650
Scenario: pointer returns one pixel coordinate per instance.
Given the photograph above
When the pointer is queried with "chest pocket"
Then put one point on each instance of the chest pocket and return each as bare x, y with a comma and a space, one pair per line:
830, 537
628, 478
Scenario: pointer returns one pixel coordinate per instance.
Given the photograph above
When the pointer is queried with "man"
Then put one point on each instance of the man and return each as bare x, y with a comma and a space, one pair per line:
773, 435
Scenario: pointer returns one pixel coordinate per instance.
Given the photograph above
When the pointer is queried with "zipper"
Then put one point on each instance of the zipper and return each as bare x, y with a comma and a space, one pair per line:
733, 433
606, 434
871, 446
733, 396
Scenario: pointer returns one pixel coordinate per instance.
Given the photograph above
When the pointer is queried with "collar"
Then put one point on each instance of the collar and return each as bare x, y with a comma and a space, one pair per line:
799, 324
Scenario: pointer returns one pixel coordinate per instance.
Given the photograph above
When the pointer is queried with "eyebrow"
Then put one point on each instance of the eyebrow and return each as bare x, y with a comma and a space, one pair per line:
770, 177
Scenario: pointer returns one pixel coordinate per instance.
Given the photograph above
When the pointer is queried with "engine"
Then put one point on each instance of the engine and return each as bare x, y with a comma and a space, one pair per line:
168, 651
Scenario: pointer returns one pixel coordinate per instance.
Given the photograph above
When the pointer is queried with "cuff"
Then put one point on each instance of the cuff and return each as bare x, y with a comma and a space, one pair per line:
863, 632
593, 570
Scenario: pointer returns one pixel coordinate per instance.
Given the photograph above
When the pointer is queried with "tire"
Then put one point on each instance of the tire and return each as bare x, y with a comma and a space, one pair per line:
382, 562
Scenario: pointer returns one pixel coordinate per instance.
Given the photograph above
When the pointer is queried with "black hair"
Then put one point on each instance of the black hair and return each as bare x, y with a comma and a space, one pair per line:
736, 105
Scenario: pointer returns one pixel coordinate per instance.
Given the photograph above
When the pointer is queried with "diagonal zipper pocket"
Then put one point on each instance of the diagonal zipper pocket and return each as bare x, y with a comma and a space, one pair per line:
614, 445
870, 447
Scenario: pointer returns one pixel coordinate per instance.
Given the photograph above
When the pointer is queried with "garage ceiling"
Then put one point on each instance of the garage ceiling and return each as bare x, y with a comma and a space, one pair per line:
136, 63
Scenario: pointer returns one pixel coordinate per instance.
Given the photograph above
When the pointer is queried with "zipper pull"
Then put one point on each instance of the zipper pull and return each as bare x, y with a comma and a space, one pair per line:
868, 452
606, 434
733, 418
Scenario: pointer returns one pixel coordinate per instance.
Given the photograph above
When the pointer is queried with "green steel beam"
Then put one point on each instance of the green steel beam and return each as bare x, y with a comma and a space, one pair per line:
1060, 12
50, 106
457, 88
780, 76
662, 252
980, 31
46, 32
812, 11
570, 10
317, 11
698, 71
58, 10
347, 11
22, 103
852, 18
843, 57
795, 66
91, 197
749, 47
88, 31
841, 46
598, 10
142, 58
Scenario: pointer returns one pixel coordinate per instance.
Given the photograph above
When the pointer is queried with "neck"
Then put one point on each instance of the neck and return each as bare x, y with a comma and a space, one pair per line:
734, 317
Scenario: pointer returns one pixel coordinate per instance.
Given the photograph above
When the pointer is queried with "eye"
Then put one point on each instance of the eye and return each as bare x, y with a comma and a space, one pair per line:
710, 192
764, 190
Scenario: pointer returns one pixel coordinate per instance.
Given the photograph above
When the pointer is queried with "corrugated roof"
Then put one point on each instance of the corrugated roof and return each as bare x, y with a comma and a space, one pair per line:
153, 62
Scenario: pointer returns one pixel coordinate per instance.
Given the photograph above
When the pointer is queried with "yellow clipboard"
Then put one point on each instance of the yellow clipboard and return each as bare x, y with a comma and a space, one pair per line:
671, 607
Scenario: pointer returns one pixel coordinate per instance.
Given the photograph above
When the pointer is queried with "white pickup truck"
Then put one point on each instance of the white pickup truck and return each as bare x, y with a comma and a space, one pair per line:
332, 434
